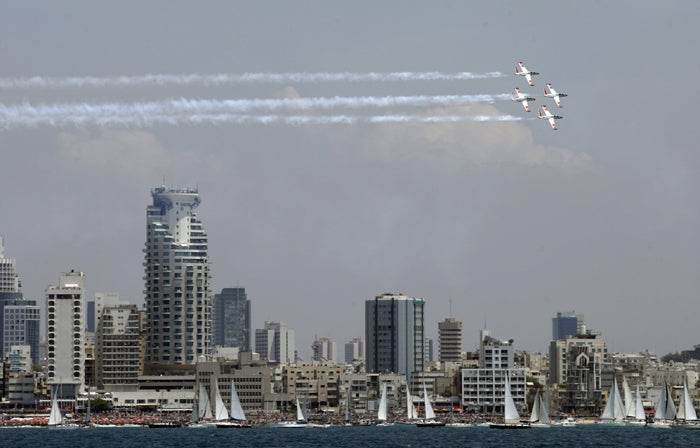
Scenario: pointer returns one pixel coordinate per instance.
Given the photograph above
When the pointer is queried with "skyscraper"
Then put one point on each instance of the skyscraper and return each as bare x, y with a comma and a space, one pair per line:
450, 340
275, 343
323, 349
232, 319
19, 318
65, 333
177, 280
394, 334
566, 324
354, 350
118, 347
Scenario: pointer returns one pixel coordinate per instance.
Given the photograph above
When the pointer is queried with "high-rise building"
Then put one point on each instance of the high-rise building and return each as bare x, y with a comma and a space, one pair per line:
177, 280
354, 350
567, 324
65, 333
323, 349
231, 318
118, 347
394, 334
275, 343
450, 340
21, 326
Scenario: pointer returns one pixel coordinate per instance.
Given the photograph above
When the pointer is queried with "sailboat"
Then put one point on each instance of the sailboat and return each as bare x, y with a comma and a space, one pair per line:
220, 411
665, 413
160, 423
55, 418
201, 411
300, 422
539, 417
383, 411
686, 416
429, 420
638, 416
411, 414
511, 418
238, 419
614, 411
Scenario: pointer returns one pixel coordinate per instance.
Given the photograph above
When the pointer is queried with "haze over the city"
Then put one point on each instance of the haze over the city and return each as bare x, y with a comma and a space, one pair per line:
498, 223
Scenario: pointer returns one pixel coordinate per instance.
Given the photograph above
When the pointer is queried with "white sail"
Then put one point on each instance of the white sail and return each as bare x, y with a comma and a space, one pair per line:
429, 413
536, 405
510, 411
639, 407
204, 404
220, 412
55, 418
629, 399
670, 412
300, 414
660, 413
410, 408
686, 410
614, 408
383, 411
236, 408
544, 408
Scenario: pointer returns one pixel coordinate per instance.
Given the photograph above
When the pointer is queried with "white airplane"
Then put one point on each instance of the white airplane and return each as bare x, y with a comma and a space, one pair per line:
522, 71
548, 116
554, 94
522, 98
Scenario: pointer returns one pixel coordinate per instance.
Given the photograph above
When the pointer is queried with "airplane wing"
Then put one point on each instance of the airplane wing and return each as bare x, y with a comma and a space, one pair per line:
527, 108
529, 79
557, 100
553, 123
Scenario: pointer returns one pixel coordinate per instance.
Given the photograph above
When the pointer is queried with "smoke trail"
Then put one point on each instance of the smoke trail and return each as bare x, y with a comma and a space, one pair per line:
227, 79
195, 106
148, 120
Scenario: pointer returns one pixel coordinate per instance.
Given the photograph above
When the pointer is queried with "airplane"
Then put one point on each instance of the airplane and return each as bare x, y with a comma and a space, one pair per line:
522, 98
554, 94
548, 116
522, 71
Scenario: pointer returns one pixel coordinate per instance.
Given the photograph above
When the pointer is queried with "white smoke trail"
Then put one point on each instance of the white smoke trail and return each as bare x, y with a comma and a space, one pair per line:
195, 106
227, 79
140, 121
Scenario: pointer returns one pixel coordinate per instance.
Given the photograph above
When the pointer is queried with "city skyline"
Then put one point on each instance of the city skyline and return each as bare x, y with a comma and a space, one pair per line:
507, 221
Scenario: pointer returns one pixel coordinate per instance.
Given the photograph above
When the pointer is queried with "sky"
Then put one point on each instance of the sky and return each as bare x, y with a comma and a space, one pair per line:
500, 224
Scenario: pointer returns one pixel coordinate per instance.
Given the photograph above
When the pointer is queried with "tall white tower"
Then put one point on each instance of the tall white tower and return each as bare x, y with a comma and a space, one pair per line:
65, 333
177, 280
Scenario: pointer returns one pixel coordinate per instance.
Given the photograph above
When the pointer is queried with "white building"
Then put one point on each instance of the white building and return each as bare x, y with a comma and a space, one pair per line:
275, 343
65, 333
324, 349
177, 280
354, 350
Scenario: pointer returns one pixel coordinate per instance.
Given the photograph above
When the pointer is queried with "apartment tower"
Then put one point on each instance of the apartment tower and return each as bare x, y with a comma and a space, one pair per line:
177, 281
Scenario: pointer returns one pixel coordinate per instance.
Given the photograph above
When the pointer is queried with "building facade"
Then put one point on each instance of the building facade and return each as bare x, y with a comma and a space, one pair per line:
231, 319
323, 349
450, 340
566, 324
354, 350
118, 349
275, 343
65, 333
394, 334
177, 280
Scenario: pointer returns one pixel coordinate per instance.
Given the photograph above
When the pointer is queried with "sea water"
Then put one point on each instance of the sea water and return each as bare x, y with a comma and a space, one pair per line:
398, 436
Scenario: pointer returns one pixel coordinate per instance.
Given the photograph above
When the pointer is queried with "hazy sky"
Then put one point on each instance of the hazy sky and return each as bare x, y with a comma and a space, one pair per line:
503, 223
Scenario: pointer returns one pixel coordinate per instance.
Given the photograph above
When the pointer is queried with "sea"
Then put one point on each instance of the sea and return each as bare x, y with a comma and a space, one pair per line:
398, 436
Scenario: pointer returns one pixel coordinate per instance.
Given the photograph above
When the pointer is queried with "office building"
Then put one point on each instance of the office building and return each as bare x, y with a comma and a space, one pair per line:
354, 350
177, 281
567, 324
275, 343
65, 333
323, 349
231, 319
118, 347
450, 340
394, 334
